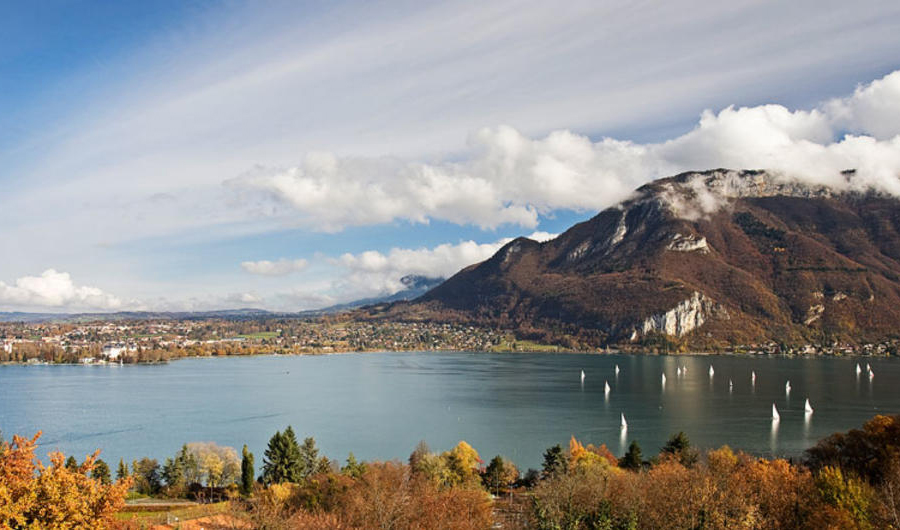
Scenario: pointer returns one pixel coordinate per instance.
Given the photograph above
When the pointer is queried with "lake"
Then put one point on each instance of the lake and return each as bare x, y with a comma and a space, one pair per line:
380, 405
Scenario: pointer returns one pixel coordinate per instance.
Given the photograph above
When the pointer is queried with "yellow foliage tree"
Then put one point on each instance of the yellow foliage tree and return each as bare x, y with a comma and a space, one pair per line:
55, 496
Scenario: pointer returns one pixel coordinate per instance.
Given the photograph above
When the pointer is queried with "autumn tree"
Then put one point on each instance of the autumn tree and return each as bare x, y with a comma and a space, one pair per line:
633, 458
36, 496
679, 447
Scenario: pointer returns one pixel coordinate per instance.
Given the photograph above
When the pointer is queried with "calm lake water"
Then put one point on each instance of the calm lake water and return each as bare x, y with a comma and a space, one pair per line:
380, 405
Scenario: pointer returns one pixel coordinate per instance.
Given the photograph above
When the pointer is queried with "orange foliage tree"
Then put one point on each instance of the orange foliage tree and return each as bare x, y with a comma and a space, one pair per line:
36, 496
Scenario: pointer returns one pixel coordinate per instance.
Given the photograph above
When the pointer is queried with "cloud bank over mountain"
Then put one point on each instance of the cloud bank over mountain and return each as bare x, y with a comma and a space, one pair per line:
509, 178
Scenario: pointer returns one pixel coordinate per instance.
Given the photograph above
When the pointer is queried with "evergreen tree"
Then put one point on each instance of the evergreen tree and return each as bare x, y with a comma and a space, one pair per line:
172, 473
633, 459
495, 474
679, 446
282, 462
246, 472
309, 457
554, 461
122, 471
71, 464
353, 468
101, 472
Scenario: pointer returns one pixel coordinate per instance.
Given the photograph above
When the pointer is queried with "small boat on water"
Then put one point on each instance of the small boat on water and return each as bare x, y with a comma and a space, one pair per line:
807, 407
663, 378
730, 384
858, 369
582, 376
712, 372
871, 374
753, 377
787, 386
624, 423
868, 368
606, 388
617, 369
775, 415
678, 371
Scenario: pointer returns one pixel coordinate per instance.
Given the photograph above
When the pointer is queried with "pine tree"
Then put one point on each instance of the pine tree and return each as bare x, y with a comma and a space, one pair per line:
71, 464
309, 457
101, 472
554, 461
246, 472
353, 468
494, 474
283, 461
122, 472
633, 459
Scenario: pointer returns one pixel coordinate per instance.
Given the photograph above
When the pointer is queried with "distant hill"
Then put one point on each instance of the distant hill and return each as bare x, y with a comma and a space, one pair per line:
248, 313
414, 287
706, 258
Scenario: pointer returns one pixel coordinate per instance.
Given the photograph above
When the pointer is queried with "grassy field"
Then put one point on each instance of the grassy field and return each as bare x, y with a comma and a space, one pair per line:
512, 345
260, 335
146, 516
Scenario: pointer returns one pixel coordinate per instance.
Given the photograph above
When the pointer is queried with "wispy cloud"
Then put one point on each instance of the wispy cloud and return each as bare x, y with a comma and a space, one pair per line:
281, 267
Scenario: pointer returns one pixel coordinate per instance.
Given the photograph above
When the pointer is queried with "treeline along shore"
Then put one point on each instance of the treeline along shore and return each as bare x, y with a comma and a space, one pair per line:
160, 340
848, 480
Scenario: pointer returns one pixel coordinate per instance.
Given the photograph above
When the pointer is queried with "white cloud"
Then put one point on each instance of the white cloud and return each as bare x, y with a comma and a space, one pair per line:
510, 178
55, 290
281, 267
373, 273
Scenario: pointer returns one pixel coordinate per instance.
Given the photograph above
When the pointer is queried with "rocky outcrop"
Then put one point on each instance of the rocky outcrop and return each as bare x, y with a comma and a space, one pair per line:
685, 317
689, 243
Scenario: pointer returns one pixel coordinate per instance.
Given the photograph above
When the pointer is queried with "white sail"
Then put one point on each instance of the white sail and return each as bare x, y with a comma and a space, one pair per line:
775, 415
617, 369
753, 376
663, 378
582, 376
606, 388
711, 371
808, 408
678, 371
787, 386
730, 384
868, 368
871, 374
858, 369
624, 423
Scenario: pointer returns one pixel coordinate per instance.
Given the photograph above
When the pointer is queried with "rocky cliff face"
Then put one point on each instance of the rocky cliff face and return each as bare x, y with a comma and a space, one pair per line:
713, 257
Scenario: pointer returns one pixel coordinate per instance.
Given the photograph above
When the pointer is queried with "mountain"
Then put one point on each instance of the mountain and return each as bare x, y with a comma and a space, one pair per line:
707, 259
414, 287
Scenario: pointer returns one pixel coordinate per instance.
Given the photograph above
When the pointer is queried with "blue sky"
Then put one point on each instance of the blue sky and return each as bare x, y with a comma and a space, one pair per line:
289, 155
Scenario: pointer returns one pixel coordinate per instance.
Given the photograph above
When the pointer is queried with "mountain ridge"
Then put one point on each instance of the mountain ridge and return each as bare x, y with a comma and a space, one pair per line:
702, 259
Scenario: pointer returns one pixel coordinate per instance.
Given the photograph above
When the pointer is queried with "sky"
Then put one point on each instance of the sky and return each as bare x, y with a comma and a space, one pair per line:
196, 155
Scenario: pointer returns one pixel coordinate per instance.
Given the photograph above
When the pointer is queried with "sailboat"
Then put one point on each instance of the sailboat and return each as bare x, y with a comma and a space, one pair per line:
871, 374
678, 371
606, 388
617, 369
858, 369
711, 371
787, 386
753, 377
663, 378
730, 384
775, 415
582, 376
624, 423
808, 408
868, 368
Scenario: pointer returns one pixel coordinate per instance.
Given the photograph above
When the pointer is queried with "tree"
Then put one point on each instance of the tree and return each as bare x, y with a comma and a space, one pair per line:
309, 457
353, 468
101, 472
146, 476
216, 465
633, 458
282, 461
679, 447
36, 496
173, 474
246, 472
71, 463
415, 458
122, 471
554, 461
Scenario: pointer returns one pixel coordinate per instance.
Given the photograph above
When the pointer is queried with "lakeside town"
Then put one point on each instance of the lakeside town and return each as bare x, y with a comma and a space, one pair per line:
159, 340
